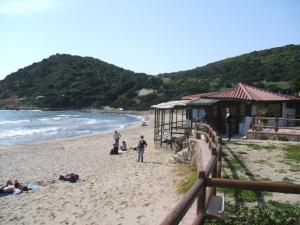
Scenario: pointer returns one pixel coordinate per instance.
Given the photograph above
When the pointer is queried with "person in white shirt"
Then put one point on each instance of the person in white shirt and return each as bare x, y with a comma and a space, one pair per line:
124, 147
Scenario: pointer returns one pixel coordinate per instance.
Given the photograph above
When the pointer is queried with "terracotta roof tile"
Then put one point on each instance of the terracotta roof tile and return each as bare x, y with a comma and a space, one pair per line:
243, 92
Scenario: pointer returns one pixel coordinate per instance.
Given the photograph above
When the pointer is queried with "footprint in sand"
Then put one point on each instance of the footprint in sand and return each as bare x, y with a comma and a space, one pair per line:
146, 205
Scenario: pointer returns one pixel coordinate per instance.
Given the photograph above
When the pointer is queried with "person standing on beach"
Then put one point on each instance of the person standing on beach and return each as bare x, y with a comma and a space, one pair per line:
141, 148
117, 137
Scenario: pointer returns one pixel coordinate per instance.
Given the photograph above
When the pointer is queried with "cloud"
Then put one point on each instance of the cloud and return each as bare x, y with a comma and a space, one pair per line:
26, 6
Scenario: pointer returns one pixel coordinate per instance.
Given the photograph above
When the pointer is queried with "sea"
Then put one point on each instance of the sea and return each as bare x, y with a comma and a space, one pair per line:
26, 126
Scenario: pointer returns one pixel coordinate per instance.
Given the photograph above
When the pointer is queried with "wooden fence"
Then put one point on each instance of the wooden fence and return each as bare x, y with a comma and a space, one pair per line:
210, 178
275, 123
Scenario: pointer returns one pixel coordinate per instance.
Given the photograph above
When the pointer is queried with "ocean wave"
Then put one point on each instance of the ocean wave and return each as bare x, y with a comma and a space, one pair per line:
140, 118
83, 132
44, 119
13, 121
56, 118
92, 121
68, 115
25, 132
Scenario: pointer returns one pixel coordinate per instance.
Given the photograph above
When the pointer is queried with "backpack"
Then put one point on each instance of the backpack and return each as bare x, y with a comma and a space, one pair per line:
72, 177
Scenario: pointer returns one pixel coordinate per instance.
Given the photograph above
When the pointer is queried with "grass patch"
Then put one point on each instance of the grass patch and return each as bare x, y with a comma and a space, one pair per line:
296, 168
274, 213
264, 179
288, 180
231, 142
242, 153
240, 195
258, 147
190, 177
259, 161
292, 153
281, 170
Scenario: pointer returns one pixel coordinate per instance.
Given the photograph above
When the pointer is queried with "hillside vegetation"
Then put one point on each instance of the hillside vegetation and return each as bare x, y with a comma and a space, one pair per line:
66, 81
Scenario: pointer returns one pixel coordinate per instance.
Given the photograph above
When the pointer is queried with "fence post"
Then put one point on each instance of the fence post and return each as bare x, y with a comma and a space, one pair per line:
202, 196
276, 123
287, 120
219, 155
253, 123
214, 173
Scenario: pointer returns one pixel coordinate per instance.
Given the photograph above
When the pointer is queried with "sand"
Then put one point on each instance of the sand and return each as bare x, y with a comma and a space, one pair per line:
112, 189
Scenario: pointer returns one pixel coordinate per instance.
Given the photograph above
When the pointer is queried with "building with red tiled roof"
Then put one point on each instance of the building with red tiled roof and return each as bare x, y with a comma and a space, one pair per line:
244, 102
243, 92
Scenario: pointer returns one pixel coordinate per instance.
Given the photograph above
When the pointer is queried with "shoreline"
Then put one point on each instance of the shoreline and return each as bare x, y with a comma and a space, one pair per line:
112, 189
133, 112
146, 115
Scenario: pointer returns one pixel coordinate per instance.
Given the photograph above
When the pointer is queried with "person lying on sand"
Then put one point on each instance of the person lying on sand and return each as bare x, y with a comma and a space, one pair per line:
13, 187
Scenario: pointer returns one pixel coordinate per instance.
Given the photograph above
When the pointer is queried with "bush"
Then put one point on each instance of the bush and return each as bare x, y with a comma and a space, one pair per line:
273, 213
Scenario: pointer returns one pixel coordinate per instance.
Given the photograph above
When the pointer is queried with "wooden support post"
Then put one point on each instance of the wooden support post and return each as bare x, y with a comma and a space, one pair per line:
155, 117
214, 173
181, 118
219, 157
202, 196
276, 124
171, 132
253, 123
176, 118
160, 125
287, 120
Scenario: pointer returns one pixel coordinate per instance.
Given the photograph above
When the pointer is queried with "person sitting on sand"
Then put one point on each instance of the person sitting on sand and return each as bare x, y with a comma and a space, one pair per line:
141, 148
117, 137
124, 146
114, 150
13, 187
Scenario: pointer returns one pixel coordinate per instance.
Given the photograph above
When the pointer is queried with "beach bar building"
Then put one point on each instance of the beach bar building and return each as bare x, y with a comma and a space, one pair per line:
251, 108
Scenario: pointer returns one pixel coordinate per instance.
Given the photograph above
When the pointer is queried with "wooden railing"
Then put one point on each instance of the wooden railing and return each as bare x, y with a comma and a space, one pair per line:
210, 178
200, 190
275, 123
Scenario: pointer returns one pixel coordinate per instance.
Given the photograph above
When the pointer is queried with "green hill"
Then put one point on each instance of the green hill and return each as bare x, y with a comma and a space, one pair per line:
74, 82
274, 69
66, 81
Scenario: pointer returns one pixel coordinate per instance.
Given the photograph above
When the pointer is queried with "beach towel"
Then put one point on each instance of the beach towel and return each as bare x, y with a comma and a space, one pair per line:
32, 186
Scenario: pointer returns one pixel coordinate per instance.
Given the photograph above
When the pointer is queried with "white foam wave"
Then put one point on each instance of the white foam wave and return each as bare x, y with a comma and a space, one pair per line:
44, 119
24, 132
92, 121
56, 118
13, 121
140, 118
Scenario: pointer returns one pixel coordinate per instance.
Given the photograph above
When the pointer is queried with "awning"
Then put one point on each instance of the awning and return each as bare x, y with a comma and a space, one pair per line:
203, 101
171, 104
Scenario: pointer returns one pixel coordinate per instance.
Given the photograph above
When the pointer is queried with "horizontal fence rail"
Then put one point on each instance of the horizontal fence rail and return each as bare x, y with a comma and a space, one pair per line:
270, 186
210, 178
275, 123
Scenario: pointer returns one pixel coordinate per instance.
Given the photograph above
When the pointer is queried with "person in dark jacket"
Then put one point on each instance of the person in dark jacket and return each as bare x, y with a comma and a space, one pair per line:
141, 148
228, 122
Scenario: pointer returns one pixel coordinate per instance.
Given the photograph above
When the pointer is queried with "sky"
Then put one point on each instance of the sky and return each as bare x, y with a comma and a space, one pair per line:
151, 36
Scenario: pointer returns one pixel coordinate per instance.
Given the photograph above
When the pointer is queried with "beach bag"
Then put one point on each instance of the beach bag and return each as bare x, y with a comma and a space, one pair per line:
72, 177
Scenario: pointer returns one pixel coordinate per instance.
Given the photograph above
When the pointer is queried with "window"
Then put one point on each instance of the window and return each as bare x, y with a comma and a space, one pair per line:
268, 109
290, 105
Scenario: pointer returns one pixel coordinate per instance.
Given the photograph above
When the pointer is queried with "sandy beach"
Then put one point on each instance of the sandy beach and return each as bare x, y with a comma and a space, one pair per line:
112, 189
